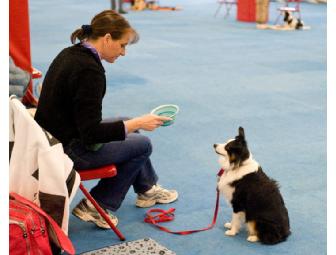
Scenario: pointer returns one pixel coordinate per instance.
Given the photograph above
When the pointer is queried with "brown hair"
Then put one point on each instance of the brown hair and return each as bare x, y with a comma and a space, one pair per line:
106, 22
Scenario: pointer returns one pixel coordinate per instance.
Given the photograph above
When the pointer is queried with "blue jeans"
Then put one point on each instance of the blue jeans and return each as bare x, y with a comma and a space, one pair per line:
131, 157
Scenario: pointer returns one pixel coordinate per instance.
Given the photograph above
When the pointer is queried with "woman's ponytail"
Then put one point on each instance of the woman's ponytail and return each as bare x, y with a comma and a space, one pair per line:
82, 33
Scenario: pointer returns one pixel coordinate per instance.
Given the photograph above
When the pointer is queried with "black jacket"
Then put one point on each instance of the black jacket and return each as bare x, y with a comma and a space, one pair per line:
70, 104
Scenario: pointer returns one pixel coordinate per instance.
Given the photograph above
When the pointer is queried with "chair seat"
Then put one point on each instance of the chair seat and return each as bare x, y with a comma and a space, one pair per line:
288, 9
98, 173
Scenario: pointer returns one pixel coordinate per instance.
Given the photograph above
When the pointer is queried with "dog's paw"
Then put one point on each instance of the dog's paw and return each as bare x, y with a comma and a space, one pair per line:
230, 232
227, 225
252, 238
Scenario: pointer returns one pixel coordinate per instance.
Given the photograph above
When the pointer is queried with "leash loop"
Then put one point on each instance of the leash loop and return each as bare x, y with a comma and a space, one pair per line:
162, 216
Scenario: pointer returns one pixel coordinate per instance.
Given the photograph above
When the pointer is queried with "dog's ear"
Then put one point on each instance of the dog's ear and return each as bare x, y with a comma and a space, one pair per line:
235, 152
241, 133
299, 24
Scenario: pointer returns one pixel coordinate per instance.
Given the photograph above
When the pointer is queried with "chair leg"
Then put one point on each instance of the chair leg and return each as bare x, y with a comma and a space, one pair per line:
277, 19
228, 9
102, 212
219, 7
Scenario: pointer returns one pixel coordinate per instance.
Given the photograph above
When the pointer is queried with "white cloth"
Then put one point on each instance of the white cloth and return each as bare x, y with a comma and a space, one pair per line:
32, 152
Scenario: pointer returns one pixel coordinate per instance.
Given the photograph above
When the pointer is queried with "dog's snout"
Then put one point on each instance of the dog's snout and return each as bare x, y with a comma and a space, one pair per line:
215, 145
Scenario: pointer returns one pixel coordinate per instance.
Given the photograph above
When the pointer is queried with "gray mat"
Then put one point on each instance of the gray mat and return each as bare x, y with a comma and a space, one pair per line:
137, 247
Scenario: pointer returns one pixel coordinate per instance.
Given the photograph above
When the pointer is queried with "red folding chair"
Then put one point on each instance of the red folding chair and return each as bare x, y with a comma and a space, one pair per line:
292, 6
99, 173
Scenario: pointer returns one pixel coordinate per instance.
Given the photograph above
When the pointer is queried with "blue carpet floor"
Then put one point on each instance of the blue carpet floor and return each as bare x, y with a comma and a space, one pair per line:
223, 74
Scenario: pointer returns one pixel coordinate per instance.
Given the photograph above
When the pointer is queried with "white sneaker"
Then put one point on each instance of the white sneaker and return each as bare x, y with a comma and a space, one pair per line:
87, 212
156, 194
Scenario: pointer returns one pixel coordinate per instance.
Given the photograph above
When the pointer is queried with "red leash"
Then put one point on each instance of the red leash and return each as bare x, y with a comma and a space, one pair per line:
168, 215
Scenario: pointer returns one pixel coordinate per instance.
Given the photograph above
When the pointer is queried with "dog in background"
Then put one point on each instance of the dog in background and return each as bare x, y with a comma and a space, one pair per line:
292, 22
139, 5
255, 198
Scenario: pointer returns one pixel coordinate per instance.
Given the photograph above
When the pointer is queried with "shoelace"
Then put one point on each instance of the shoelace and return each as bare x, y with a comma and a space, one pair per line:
159, 192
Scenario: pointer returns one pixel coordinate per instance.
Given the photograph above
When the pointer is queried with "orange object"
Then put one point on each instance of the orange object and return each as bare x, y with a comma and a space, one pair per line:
246, 10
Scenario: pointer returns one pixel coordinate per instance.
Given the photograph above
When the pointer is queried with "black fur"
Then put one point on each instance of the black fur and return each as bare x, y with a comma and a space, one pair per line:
289, 19
299, 24
258, 196
237, 149
286, 17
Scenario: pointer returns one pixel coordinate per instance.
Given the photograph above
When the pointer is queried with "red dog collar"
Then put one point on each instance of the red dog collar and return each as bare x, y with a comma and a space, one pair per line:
221, 172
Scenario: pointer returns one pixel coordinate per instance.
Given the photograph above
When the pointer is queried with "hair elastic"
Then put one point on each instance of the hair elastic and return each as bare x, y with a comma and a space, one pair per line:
87, 29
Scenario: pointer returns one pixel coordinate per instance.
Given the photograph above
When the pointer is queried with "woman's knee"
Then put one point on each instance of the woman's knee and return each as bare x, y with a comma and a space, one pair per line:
147, 145
142, 144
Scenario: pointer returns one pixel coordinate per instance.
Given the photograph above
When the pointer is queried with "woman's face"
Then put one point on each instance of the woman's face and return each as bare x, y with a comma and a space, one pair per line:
112, 49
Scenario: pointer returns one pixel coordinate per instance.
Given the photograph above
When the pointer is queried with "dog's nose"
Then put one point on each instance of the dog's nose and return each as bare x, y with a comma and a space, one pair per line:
215, 145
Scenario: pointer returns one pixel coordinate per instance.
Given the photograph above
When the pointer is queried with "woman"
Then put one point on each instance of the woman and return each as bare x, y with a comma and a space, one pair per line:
70, 108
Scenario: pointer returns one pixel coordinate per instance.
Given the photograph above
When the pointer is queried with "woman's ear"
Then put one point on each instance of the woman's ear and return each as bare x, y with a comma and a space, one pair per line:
107, 37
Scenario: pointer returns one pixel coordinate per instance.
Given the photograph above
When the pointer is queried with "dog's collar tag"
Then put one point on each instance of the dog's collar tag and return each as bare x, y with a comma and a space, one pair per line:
221, 172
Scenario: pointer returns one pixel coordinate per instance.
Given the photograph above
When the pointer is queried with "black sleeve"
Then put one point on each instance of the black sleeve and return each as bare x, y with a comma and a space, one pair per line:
88, 110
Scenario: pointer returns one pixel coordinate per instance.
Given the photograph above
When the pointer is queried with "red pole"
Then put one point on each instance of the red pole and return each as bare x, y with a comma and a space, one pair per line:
101, 212
19, 41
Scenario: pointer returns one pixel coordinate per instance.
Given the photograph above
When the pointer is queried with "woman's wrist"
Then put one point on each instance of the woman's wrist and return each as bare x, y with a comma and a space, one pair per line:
132, 124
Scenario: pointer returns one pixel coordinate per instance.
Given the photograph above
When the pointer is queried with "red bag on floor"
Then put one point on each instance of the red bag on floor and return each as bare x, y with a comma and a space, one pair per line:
30, 228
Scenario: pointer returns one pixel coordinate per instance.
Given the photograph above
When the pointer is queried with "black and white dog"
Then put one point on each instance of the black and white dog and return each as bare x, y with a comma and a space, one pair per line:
255, 198
291, 21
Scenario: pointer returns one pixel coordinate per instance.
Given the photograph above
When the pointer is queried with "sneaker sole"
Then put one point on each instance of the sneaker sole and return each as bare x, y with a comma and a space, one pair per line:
150, 203
88, 218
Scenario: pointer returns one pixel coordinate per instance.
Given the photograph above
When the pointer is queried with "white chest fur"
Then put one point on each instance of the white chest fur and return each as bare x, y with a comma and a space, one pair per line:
224, 184
226, 190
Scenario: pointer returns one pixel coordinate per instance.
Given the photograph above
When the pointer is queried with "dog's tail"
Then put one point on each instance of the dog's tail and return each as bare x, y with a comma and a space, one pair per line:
270, 233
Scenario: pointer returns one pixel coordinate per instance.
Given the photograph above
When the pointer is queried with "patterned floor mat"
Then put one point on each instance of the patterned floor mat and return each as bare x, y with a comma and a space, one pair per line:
137, 247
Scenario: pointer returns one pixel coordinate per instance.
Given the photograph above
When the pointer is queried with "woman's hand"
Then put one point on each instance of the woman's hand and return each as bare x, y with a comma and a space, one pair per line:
147, 122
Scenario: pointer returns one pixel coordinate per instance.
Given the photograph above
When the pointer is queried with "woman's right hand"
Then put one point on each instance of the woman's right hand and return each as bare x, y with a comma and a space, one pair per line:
147, 122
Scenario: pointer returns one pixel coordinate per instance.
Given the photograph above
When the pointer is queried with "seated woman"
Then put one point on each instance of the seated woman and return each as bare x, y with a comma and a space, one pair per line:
70, 108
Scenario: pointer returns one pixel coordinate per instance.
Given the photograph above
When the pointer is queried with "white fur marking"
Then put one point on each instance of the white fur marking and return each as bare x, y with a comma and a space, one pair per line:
230, 232
227, 225
252, 239
229, 176
237, 219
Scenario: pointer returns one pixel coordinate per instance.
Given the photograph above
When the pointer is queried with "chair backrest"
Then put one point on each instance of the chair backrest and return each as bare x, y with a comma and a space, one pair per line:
227, 1
297, 3
291, 5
